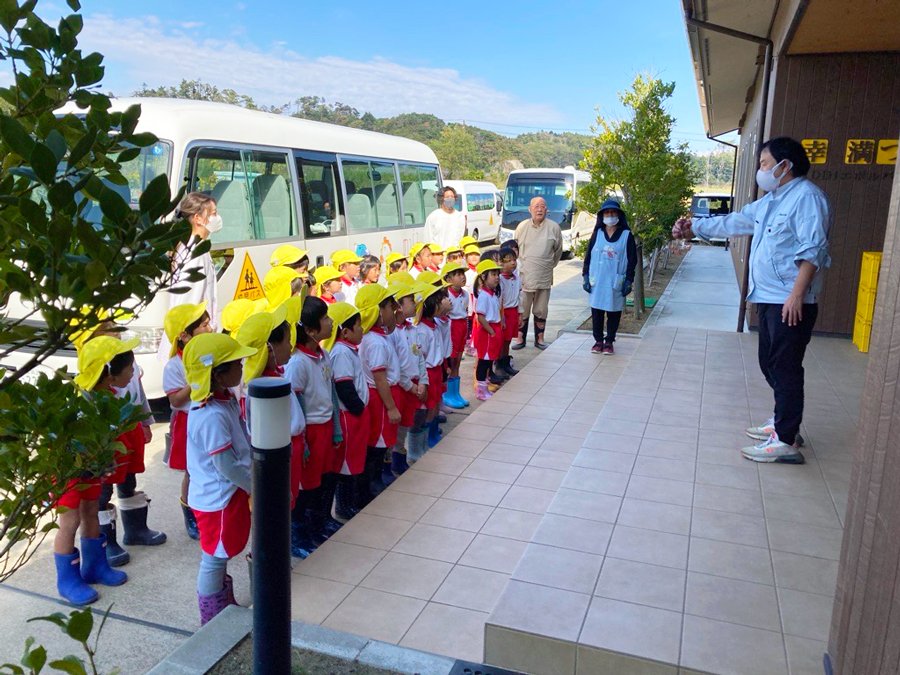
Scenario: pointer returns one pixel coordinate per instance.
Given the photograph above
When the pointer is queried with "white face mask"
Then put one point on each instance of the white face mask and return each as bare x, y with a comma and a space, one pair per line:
610, 220
767, 181
214, 224
449, 202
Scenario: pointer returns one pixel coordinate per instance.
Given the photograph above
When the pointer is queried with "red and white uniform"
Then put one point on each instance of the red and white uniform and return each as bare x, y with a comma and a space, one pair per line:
348, 368
487, 346
459, 312
132, 459
174, 380
443, 327
429, 337
222, 507
471, 274
415, 270
510, 289
377, 354
349, 288
401, 338
309, 373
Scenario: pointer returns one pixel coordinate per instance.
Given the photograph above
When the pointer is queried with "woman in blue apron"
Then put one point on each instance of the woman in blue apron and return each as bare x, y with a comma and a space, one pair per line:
608, 273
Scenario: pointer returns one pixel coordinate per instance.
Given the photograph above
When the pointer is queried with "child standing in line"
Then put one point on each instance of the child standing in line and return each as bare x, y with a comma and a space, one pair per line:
454, 254
369, 270
437, 256
487, 335
103, 363
455, 277
430, 303
473, 257
381, 365
279, 284
236, 312
219, 457
396, 262
420, 257
310, 374
291, 256
328, 283
182, 323
353, 397
510, 290
413, 376
347, 263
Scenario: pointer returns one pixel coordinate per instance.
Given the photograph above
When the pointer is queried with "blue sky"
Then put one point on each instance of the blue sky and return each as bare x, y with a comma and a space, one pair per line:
510, 67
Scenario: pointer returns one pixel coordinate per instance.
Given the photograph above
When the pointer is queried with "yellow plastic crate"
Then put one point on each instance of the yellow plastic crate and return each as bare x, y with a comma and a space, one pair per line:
871, 264
862, 334
865, 304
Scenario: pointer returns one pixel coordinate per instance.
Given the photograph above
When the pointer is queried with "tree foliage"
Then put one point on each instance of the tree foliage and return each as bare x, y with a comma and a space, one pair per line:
635, 157
69, 240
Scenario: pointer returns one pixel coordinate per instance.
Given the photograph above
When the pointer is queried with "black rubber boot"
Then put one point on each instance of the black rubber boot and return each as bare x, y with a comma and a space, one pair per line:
116, 556
345, 499
190, 522
326, 501
133, 512
505, 364
539, 325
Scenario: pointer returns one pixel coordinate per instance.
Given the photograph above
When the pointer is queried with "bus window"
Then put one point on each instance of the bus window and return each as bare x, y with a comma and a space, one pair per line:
319, 195
269, 183
419, 185
372, 195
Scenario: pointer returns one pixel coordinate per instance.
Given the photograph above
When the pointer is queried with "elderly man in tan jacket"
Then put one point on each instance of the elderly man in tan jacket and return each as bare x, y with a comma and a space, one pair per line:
540, 248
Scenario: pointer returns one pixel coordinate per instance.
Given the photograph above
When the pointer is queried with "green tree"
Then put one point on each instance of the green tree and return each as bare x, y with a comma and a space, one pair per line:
457, 152
57, 257
635, 157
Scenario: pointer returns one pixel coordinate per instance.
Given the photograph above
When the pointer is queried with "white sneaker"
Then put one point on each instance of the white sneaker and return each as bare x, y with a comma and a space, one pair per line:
762, 432
773, 450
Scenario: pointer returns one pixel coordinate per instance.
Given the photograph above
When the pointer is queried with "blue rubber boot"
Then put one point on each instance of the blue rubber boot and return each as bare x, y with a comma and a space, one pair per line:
398, 463
434, 433
415, 445
454, 388
69, 583
301, 542
95, 568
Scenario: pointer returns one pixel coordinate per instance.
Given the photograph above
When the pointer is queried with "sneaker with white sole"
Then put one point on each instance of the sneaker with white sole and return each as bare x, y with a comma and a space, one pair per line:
763, 431
773, 450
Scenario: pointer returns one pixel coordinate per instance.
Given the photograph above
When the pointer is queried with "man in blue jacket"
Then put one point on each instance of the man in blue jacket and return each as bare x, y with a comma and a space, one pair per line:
790, 226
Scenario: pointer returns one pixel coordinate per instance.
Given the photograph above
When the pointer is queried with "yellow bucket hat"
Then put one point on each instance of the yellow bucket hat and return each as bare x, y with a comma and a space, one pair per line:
472, 248
486, 266
254, 333
204, 353
422, 293
287, 254
237, 311
101, 316
94, 355
435, 247
343, 256
400, 290
178, 319
340, 312
417, 248
428, 277
367, 300
467, 241
449, 268
393, 257
293, 306
326, 273
457, 248
277, 284
402, 277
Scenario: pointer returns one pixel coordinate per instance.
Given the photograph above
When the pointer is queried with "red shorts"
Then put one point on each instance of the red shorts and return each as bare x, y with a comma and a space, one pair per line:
131, 460
458, 331
79, 490
408, 405
320, 443
487, 346
435, 387
511, 331
356, 437
178, 436
382, 434
224, 533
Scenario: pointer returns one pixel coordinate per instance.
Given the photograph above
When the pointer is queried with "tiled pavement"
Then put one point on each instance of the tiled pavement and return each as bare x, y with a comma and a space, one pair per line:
595, 516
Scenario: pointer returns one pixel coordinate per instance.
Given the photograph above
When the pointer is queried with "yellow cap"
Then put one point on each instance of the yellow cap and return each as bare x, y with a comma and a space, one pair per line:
454, 248
287, 254
417, 248
450, 268
402, 277
367, 300
343, 256
428, 277
100, 317
340, 313
277, 284
422, 293
326, 273
254, 333
486, 266
472, 248
435, 247
178, 319
467, 241
393, 257
399, 289
237, 311
293, 306
204, 353
94, 355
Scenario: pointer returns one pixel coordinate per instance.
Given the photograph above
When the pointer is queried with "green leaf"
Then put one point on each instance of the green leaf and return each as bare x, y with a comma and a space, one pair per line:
69, 664
95, 274
156, 192
74, 5
57, 144
19, 141
143, 139
35, 659
83, 147
44, 163
81, 623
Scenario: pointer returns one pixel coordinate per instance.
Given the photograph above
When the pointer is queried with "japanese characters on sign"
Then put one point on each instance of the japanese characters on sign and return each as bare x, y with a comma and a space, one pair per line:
856, 151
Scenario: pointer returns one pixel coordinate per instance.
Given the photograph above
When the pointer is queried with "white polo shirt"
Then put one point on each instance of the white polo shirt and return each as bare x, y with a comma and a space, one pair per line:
310, 376
377, 353
408, 367
443, 330
174, 380
298, 419
509, 290
459, 304
429, 338
488, 304
348, 366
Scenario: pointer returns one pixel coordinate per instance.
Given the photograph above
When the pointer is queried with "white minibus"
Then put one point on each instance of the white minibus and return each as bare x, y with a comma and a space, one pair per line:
276, 180
559, 188
478, 201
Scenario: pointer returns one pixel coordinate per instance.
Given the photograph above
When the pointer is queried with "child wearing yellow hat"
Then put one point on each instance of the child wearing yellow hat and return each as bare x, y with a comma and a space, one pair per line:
437, 256
420, 258
396, 262
487, 335
454, 275
296, 258
279, 284
454, 254
431, 302
347, 263
102, 363
309, 371
473, 257
181, 323
237, 311
219, 457
328, 283
353, 398
510, 290
381, 365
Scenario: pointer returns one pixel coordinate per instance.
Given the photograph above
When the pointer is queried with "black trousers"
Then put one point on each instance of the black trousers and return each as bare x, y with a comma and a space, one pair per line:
612, 324
781, 352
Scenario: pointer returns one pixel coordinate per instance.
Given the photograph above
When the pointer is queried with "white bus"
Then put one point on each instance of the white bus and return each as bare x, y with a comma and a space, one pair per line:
276, 180
559, 188
479, 202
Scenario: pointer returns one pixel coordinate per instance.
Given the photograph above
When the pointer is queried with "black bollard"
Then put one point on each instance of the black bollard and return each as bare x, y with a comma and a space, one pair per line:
270, 436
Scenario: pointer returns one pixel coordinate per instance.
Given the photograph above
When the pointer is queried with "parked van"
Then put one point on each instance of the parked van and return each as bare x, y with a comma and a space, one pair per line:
479, 202
559, 188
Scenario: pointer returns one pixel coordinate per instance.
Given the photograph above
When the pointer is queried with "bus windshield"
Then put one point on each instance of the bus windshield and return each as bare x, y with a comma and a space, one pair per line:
152, 162
556, 191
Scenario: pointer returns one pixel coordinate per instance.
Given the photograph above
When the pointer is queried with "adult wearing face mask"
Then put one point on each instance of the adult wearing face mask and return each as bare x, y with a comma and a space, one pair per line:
445, 225
790, 226
608, 273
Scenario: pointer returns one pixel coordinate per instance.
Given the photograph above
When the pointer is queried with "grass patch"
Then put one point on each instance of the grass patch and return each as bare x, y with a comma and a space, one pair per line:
303, 662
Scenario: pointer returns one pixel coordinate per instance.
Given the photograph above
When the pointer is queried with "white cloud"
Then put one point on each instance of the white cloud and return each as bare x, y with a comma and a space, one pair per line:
145, 49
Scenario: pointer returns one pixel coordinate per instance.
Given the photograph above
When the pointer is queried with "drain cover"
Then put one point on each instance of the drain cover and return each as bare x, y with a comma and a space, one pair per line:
469, 668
